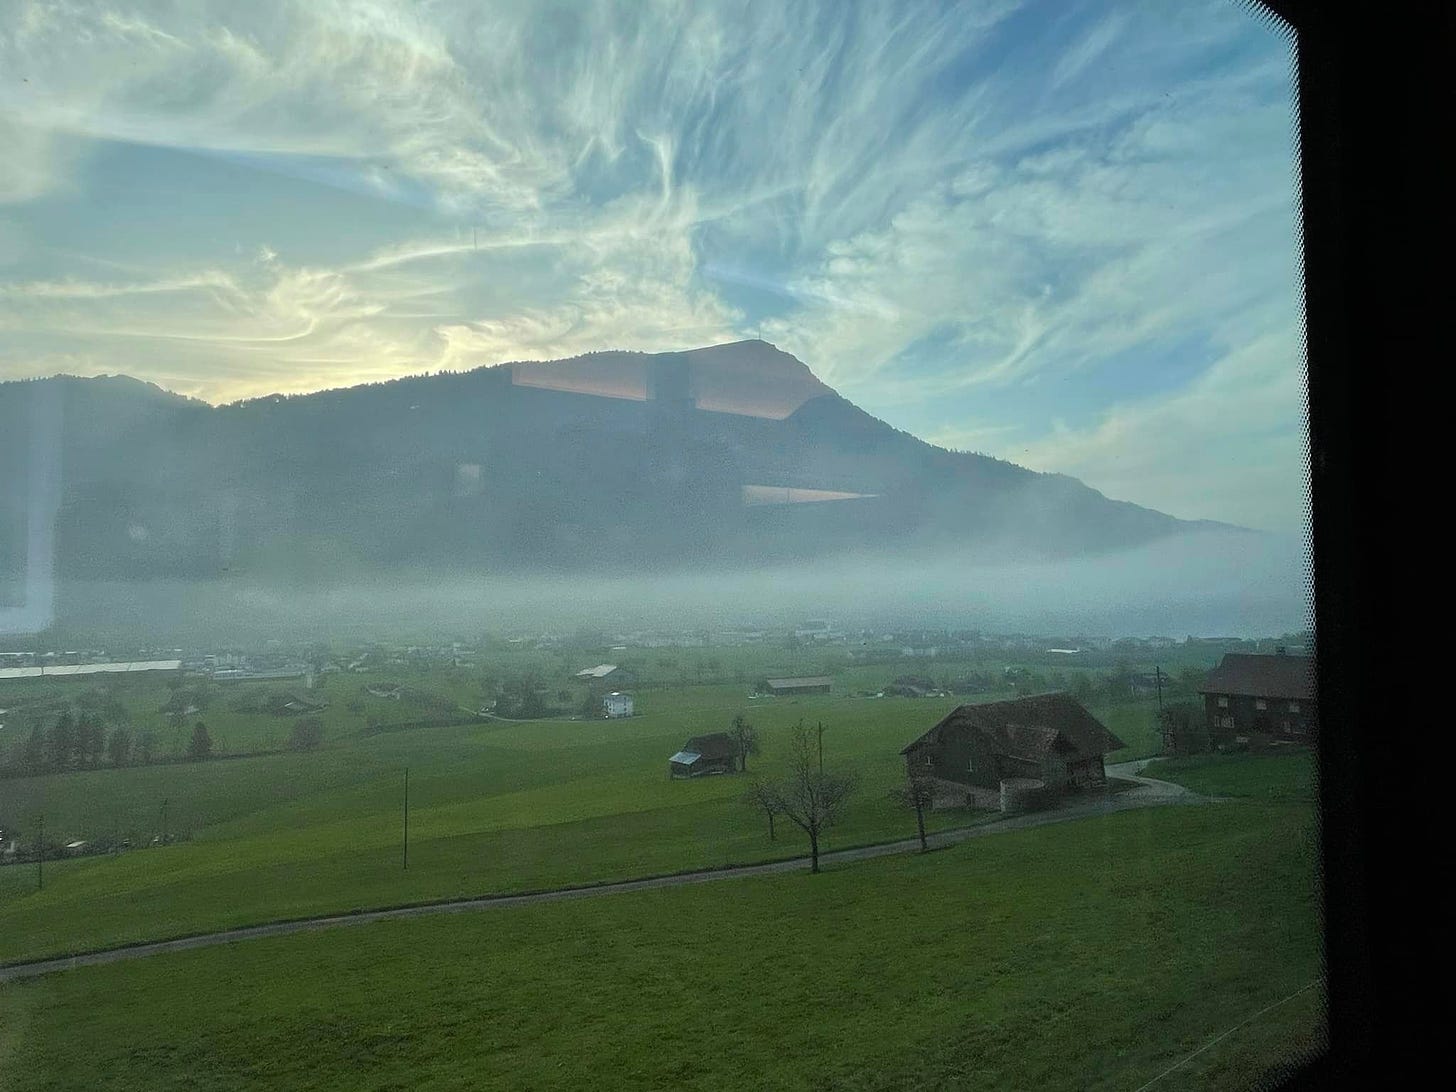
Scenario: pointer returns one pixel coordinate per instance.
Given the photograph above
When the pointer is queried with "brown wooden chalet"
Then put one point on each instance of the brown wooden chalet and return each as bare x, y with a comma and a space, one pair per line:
1046, 742
710, 754
1248, 694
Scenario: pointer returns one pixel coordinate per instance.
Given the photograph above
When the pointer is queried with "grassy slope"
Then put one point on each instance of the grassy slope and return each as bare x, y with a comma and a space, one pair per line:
1088, 955
494, 808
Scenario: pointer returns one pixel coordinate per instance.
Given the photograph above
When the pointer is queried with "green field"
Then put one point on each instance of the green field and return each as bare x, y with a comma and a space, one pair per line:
1288, 776
494, 807
1087, 955
228, 708
433, 690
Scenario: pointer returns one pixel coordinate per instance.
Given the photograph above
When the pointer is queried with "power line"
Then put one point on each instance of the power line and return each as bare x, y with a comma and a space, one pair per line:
1225, 1035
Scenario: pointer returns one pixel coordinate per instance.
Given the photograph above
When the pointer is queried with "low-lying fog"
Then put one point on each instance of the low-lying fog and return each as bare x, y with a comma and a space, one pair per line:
1211, 583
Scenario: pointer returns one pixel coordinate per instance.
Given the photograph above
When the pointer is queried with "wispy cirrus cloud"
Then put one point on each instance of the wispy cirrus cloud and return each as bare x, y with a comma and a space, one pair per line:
974, 219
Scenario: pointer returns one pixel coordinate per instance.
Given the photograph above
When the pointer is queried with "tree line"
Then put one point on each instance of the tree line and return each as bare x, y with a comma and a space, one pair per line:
87, 742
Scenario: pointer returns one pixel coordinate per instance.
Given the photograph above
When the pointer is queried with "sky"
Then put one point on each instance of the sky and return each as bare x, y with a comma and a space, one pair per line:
1062, 233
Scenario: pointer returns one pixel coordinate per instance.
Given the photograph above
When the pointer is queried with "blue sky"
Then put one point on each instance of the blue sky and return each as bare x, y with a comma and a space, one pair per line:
1062, 233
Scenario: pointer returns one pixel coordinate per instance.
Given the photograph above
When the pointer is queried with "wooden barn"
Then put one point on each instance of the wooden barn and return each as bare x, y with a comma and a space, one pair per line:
710, 754
812, 684
1036, 747
1263, 694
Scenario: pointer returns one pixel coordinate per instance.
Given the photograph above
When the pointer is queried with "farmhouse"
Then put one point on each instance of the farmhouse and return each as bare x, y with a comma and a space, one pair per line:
812, 684
1011, 754
1269, 694
603, 676
710, 754
912, 686
617, 704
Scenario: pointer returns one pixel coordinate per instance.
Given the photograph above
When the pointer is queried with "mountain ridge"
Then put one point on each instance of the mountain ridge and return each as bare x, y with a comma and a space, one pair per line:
612, 461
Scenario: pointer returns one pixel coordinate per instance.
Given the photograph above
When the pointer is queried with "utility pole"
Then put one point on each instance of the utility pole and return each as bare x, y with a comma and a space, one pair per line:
821, 746
1158, 676
40, 857
406, 818
164, 821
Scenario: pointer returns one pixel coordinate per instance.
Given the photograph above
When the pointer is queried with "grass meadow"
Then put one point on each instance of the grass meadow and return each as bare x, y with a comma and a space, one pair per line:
1088, 955
494, 807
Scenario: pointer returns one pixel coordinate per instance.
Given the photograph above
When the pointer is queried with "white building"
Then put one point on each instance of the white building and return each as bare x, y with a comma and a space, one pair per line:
617, 705
79, 670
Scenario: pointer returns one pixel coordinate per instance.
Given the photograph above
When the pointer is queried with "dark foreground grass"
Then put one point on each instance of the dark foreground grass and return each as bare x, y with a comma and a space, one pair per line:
1087, 955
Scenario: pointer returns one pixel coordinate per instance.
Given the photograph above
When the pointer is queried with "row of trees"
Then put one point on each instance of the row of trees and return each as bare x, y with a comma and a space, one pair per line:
1118, 684
85, 742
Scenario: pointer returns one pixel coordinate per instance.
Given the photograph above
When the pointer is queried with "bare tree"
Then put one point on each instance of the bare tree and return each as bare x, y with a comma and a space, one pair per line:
745, 740
918, 793
812, 799
761, 795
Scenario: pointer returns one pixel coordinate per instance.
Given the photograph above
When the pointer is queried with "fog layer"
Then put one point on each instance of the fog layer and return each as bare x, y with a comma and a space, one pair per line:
1204, 583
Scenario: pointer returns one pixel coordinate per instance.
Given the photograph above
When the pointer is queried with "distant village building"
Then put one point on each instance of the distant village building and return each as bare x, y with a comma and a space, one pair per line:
1269, 694
61, 671
603, 676
815, 629
912, 686
617, 704
1015, 754
811, 684
701, 755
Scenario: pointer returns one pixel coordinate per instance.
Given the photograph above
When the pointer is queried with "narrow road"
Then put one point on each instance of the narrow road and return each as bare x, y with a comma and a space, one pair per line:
1149, 793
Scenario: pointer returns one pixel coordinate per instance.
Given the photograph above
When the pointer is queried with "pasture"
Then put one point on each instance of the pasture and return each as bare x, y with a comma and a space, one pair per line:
494, 807
1088, 955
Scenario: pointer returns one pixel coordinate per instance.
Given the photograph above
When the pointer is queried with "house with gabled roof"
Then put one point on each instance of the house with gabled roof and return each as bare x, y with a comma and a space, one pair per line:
1010, 754
1261, 694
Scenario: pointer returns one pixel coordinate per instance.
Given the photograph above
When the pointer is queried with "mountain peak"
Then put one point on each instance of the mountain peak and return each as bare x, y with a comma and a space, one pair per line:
751, 378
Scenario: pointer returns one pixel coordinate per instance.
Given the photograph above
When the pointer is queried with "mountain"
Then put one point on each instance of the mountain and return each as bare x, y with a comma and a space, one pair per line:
614, 462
